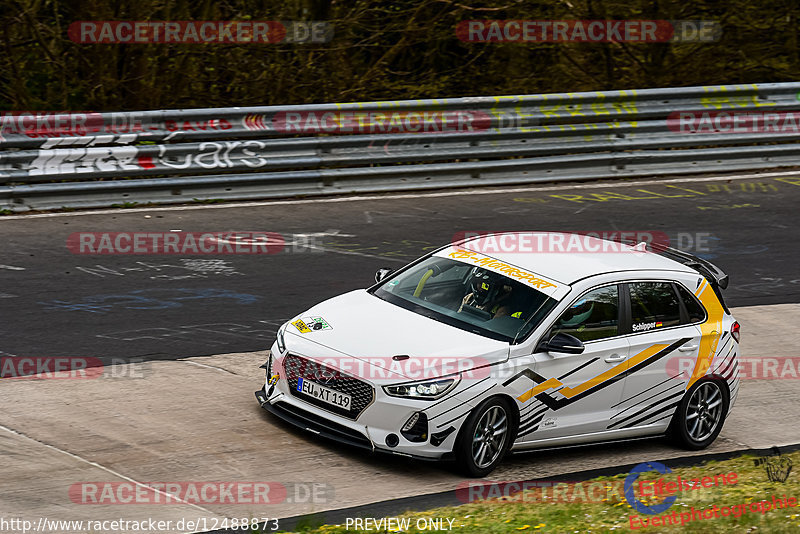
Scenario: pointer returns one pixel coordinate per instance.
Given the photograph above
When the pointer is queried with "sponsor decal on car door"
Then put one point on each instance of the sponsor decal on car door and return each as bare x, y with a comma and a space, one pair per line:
659, 324
573, 392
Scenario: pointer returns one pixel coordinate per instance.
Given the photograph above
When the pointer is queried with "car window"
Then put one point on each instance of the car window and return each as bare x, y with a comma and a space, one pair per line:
410, 283
456, 273
653, 305
468, 297
694, 309
593, 316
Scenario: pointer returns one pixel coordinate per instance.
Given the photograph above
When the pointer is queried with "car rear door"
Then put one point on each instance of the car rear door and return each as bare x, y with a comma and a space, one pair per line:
664, 339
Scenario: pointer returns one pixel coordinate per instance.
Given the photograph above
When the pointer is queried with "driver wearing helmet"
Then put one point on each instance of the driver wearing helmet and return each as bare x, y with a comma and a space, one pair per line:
490, 292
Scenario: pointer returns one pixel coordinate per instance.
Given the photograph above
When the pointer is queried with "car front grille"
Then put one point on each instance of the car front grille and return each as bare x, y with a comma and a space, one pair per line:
362, 393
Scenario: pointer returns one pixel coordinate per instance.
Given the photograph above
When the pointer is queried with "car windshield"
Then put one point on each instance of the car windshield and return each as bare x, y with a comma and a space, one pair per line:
468, 297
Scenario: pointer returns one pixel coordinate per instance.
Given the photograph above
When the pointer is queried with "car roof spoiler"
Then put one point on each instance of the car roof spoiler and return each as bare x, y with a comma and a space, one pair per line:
704, 267
714, 274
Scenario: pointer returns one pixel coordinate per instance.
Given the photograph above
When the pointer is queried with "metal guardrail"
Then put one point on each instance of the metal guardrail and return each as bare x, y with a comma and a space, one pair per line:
74, 160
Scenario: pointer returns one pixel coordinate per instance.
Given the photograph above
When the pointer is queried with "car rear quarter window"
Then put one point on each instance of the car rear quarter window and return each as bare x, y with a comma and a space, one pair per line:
694, 310
653, 305
593, 316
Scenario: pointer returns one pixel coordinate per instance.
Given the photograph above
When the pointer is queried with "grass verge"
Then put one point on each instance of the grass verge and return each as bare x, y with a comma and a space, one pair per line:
740, 487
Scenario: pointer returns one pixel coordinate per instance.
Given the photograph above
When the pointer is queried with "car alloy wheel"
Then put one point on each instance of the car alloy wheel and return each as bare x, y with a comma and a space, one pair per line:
700, 415
490, 437
485, 437
704, 411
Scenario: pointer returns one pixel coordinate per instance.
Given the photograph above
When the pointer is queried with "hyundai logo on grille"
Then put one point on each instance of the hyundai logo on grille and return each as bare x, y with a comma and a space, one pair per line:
324, 375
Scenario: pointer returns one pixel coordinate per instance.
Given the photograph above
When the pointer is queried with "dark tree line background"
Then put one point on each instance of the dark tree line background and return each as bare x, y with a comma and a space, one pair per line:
381, 50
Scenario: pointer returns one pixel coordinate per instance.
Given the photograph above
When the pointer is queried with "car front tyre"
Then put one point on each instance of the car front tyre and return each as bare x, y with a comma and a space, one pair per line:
485, 438
699, 417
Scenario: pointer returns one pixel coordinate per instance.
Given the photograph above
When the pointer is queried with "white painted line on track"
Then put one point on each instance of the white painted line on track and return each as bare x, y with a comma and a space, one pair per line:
220, 369
107, 470
479, 191
12, 268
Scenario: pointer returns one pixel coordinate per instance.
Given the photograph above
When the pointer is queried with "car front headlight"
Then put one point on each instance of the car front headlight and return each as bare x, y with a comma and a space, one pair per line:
429, 389
281, 342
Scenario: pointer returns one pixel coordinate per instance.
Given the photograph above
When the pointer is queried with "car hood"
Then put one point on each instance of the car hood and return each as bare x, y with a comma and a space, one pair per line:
360, 326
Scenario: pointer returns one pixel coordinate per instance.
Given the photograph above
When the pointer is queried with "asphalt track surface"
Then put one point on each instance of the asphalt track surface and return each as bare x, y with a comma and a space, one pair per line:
115, 307
56, 303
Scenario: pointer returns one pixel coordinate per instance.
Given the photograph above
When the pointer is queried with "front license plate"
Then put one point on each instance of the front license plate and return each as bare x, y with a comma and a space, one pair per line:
328, 395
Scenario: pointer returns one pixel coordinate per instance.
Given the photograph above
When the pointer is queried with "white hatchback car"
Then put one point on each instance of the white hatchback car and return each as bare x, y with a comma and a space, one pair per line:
470, 352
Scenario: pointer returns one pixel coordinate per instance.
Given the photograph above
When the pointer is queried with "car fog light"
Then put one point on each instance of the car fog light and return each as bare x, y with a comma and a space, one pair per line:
411, 422
416, 428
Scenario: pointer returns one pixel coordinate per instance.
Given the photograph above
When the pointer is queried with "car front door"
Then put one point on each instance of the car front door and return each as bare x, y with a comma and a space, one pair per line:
572, 394
664, 341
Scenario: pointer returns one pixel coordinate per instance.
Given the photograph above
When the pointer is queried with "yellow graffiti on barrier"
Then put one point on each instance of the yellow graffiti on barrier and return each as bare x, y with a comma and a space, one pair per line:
675, 191
723, 100
544, 107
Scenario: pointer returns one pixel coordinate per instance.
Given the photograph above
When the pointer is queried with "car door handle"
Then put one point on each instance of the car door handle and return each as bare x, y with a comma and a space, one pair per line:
687, 348
615, 358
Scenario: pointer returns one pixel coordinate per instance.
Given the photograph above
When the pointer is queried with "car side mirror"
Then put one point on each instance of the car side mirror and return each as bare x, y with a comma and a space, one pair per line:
563, 343
381, 274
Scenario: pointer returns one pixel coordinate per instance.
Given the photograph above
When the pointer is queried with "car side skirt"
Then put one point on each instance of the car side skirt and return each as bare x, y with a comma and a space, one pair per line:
620, 434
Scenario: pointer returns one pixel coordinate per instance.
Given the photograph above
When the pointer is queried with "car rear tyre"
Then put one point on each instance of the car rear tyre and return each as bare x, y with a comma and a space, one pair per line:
699, 417
485, 438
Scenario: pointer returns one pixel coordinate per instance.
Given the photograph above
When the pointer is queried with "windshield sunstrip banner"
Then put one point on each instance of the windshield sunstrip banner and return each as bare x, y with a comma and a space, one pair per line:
541, 283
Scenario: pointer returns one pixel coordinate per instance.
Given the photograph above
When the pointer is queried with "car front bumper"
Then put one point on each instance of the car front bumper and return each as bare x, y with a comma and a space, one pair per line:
378, 426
